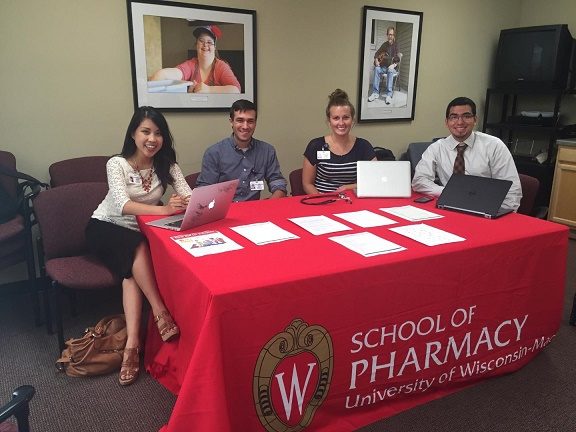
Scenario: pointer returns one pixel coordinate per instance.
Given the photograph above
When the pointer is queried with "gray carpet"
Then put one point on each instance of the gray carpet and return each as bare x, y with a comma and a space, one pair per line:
73, 404
539, 397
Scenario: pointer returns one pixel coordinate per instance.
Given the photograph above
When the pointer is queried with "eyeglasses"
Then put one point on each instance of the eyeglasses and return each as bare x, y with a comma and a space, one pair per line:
206, 42
466, 117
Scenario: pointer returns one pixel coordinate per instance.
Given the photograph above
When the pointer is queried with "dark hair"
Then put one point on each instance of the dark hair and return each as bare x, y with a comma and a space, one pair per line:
339, 98
459, 101
166, 156
242, 105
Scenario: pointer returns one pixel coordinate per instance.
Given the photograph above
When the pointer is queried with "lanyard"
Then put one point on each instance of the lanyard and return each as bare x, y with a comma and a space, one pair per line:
325, 199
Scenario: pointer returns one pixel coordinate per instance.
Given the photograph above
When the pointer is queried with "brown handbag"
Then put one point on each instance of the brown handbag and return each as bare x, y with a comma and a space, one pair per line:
98, 352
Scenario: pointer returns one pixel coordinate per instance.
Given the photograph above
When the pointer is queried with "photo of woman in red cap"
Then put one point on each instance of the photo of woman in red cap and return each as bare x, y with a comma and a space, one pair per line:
207, 72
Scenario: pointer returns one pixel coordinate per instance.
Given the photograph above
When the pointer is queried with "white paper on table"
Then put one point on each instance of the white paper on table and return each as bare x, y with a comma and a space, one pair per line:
205, 243
427, 234
264, 233
367, 244
411, 213
318, 225
365, 218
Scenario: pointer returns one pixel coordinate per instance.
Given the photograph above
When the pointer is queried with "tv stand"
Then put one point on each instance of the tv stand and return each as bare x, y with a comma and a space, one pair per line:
531, 139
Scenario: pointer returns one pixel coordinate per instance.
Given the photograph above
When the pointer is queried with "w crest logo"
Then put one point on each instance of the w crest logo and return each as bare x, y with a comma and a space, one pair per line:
292, 377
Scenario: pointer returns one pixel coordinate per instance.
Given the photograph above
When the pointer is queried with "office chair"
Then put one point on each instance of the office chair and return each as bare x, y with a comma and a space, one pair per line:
383, 154
16, 234
191, 179
78, 170
63, 251
295, 178
530, 186
19, 407
414, 153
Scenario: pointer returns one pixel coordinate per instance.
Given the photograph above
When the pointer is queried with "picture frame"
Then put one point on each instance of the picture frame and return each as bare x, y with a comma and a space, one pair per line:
388, 92
172, 72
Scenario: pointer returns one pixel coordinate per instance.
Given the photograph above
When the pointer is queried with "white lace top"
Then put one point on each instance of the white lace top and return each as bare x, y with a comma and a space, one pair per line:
125, 184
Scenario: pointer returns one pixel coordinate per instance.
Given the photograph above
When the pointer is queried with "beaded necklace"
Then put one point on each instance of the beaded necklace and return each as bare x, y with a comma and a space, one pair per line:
146, 181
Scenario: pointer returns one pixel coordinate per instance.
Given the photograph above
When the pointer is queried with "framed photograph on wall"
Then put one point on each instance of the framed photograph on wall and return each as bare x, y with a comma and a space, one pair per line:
191, 57
389, 52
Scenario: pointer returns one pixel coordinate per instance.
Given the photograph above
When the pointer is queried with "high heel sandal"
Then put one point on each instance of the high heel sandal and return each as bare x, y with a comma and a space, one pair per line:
130, 367
166, 326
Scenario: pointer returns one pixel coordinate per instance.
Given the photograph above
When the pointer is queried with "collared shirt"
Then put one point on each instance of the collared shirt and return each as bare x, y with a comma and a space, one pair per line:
225, 161
486, 156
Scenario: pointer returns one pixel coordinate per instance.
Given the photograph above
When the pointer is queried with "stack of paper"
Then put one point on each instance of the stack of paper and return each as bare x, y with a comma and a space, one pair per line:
427, 234
264, 233
367, 244
319, 225
168, 86
411, 213
365, 218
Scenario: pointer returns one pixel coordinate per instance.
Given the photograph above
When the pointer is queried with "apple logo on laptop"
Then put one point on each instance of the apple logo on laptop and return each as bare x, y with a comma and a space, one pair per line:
383, 179
211, 204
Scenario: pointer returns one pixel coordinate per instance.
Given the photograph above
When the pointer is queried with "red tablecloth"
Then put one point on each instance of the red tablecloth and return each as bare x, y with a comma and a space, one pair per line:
307, 335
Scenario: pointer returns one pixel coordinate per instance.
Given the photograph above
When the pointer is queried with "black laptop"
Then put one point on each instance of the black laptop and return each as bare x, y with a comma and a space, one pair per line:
480, 196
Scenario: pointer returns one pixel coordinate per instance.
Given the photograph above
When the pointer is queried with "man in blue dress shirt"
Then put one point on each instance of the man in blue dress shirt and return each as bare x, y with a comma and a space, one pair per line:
243, 157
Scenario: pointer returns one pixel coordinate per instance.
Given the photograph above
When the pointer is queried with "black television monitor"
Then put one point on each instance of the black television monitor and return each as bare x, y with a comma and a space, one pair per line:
535, 57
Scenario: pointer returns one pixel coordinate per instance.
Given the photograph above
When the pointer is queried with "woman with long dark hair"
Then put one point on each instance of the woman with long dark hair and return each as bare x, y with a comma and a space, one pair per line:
137, 179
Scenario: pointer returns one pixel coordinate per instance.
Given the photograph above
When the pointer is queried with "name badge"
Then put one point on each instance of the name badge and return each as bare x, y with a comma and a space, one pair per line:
257, 185
323, 154
134, 179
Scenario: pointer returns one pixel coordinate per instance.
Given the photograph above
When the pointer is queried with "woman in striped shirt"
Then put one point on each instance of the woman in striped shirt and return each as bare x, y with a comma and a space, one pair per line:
330, 161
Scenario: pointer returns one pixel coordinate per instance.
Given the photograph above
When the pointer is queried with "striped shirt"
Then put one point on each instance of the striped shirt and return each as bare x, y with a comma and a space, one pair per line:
339, 170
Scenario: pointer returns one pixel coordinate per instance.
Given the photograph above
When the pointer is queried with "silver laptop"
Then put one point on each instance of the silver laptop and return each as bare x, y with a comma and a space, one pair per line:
207, 204
480, 196
383, 179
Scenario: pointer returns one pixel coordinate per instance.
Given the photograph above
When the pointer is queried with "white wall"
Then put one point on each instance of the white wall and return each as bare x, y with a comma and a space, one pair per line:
67, 88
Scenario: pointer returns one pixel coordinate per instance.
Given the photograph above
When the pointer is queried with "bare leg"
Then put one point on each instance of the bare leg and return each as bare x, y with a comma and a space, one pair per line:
144, 276
132, 302
142, 282
143, 273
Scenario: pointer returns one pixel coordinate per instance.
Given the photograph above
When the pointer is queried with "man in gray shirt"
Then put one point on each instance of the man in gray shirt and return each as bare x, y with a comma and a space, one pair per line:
240, 156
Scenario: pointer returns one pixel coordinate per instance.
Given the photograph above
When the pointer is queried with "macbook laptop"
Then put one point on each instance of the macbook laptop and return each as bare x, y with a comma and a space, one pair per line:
383, 179
207, 204
480, 196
